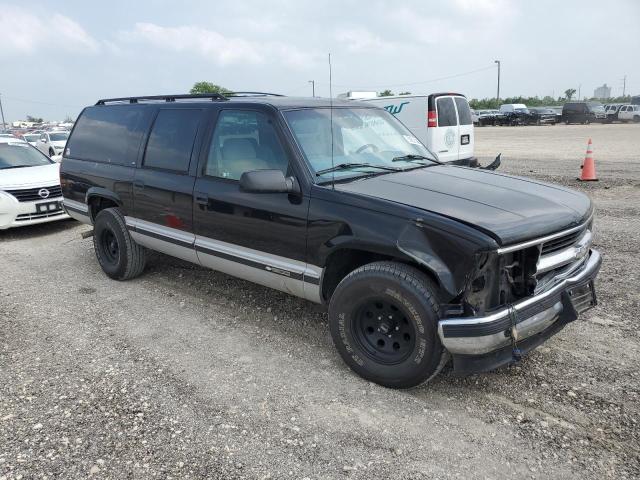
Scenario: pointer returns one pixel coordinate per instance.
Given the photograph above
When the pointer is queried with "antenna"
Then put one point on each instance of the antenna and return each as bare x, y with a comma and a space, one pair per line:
333, 172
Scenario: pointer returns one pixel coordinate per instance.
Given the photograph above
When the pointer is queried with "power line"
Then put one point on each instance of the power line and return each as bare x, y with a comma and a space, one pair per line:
41, 103
470, 72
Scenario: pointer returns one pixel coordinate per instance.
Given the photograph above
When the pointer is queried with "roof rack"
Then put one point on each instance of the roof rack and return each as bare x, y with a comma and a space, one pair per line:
253, 94
165, 98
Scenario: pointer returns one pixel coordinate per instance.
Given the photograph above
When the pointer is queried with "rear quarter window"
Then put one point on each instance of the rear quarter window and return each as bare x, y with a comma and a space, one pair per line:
109, 134
464, 112
446, 112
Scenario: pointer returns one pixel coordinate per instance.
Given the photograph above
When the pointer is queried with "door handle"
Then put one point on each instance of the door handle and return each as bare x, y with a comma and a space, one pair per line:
201, 198
138, 185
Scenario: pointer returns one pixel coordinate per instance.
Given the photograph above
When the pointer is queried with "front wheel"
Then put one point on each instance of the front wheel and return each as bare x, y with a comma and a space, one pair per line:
120, 257
384, 320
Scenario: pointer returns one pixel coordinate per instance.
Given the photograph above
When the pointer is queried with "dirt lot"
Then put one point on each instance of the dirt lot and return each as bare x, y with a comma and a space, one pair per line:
188, 373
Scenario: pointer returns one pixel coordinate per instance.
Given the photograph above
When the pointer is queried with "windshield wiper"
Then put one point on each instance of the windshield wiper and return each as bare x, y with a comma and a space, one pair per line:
413, 158
346, 166
14, 166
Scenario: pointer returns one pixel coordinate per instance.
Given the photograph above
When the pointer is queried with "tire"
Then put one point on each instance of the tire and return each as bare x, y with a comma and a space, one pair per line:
636, 119
383, 319
119, 256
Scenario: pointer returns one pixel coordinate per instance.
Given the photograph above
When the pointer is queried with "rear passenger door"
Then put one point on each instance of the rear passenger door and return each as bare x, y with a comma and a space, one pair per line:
260, 237
163, 185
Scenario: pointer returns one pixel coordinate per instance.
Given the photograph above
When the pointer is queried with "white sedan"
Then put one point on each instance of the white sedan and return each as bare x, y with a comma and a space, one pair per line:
52, 143
29, 185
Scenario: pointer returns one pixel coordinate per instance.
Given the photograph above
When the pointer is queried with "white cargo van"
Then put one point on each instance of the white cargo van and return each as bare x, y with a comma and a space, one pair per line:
441, 121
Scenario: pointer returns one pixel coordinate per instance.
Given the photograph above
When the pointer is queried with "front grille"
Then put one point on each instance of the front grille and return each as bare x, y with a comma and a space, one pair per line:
36, 216
32, 195
561, 243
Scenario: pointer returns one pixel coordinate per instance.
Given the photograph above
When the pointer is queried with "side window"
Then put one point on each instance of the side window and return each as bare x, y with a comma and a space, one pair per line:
109, 133
446, 112
244, 140
464, 113
43, 137
171, 139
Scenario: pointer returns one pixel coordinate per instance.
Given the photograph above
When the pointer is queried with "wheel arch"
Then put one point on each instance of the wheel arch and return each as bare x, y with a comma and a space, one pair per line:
98, 198
344, 260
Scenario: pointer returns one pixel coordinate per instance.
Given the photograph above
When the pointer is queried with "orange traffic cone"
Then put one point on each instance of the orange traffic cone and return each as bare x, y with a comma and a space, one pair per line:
589, 166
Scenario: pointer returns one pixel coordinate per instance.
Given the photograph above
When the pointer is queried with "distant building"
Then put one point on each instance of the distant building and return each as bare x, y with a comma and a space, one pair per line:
602, 92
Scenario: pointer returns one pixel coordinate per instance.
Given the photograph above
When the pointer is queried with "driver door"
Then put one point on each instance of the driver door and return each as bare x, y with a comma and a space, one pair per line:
260, 237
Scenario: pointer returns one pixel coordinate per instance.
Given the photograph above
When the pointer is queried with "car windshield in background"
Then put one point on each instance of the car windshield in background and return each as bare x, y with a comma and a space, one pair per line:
371, 138
59, 136
31, 138
17, 155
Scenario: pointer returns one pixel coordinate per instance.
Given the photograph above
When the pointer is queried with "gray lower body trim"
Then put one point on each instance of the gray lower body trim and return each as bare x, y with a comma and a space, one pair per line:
77, 210
281, 273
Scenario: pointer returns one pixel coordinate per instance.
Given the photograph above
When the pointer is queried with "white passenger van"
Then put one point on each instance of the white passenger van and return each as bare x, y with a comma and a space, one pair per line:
441, 121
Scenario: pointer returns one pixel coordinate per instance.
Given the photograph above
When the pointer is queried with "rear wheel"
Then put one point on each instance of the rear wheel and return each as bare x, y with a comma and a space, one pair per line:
384, 321
636, 118
120, 257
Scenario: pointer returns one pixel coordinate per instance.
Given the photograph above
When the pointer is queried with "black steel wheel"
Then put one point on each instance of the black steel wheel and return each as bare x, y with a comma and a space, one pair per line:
383, 318
383, 330
118, 254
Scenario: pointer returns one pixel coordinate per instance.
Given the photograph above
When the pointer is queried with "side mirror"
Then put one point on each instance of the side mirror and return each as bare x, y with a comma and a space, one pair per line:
268, 181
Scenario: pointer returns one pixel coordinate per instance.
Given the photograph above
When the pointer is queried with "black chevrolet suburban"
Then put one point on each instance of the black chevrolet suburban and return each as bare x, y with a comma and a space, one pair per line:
337, 202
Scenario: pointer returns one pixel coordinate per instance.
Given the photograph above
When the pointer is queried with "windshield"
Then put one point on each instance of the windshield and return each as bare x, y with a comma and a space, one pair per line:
59, 136
31, 137
360, 136
16, 155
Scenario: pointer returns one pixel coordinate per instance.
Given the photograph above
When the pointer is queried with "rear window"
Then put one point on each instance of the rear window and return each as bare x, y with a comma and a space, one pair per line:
109, 134
446, 112
171, 139
464, 113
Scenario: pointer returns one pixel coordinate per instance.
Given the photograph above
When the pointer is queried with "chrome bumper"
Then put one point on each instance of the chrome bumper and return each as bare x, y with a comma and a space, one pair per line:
481, 335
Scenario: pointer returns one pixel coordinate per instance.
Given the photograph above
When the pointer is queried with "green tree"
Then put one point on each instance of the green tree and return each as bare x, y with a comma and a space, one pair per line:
208, 87
569, 93
34, 119
385, 93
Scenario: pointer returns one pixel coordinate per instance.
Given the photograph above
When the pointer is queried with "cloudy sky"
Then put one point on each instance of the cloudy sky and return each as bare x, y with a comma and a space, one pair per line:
58, 56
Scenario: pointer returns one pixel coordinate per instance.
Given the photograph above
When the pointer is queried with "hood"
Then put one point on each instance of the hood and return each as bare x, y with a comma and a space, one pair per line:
29, 177
510, 209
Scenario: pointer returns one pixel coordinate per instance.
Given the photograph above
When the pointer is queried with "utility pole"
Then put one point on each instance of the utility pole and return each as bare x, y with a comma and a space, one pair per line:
579, 88
4, 125
498, 92
313, 87
624, 85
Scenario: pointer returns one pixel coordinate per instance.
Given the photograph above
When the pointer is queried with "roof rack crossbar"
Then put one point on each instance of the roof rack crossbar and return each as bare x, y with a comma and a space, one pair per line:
166, 98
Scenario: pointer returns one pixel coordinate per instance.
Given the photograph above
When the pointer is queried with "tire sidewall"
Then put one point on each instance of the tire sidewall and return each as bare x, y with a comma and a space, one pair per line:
426, 354
106, 221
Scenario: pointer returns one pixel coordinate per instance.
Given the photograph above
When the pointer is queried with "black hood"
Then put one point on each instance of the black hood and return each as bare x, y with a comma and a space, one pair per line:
510, 209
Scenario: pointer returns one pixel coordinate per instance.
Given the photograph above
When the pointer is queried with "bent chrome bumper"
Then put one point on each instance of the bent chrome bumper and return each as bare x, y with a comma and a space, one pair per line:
537, 316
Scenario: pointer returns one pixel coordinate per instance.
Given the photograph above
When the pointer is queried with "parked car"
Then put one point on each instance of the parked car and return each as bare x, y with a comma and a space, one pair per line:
474, 116
448, 129
629, 113
340, 204
29, 185
52, 143
612, 111
558, 112
32, 138
583, 112
541, 116
486, 117
515, 113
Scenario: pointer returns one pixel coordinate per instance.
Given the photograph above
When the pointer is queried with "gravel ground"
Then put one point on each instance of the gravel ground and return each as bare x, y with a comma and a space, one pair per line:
188, 373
